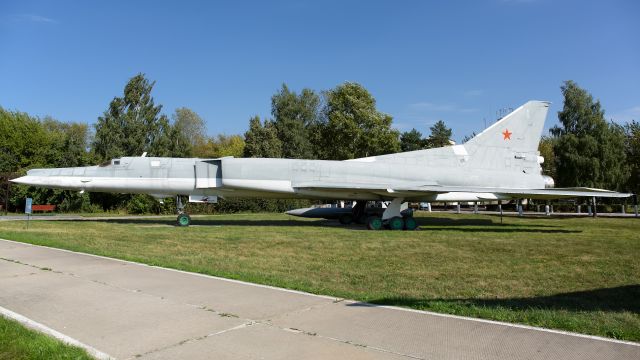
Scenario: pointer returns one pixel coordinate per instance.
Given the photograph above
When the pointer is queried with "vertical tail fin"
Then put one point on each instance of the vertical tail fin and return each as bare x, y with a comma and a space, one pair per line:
517, 135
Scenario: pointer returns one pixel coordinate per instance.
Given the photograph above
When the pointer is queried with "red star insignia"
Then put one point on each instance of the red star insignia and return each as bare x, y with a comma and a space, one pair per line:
506, 134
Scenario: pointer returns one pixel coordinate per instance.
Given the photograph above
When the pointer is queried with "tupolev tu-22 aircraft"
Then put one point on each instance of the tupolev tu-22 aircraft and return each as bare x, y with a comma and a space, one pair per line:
500, 163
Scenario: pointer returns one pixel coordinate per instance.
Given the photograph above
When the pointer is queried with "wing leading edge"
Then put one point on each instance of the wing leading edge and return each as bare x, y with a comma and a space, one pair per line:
415, 190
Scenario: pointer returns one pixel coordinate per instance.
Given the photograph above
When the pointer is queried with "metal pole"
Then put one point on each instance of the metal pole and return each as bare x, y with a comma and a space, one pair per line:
500, 207
595, 207
475, 207
458, 208
519, 207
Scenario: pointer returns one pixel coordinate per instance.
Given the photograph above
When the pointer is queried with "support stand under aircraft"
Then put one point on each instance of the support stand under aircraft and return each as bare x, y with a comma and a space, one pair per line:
500, 163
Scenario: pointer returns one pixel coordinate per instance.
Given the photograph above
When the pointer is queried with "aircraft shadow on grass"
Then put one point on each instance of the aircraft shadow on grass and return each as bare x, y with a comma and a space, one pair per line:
209, 222
615, 299
426, 224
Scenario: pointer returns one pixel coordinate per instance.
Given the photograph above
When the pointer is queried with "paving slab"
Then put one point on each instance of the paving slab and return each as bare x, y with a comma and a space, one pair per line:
262, 341
130, 310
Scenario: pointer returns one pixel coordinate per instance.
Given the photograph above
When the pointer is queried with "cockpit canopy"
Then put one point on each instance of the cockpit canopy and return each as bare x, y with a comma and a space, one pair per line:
111, 162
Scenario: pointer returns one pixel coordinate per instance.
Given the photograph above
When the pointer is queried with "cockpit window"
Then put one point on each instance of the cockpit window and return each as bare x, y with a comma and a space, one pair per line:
110, 162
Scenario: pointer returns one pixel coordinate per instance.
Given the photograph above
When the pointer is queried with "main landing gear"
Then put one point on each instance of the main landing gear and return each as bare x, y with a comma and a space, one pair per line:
393, 218
183, 218
406, 222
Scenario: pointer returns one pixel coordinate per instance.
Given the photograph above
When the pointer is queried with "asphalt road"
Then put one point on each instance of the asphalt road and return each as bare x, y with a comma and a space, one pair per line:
128, 310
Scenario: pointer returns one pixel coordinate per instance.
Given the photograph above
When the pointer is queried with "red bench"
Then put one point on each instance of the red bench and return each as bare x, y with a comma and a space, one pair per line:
43, 208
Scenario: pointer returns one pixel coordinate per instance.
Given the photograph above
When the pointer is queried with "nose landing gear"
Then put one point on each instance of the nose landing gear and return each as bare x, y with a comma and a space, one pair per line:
183, 218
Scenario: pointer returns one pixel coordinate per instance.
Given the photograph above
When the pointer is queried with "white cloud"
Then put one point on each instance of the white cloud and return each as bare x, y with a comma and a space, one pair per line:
34, 18
426, 106
626, 115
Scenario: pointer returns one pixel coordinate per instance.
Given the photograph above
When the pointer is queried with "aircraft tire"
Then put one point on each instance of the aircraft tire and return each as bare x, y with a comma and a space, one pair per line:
184, 220
410, 223
345, 219
374, 223
396, 223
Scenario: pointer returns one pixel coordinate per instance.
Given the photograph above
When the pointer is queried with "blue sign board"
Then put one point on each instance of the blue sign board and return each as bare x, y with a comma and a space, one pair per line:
27, 206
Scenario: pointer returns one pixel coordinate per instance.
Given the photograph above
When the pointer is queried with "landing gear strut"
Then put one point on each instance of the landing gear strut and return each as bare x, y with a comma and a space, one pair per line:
183, 218
358, 212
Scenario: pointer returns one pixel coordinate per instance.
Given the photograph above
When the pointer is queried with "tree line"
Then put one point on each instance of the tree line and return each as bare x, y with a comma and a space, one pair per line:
336, 124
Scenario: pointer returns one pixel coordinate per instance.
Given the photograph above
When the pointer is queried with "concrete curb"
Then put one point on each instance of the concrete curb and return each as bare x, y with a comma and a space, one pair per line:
53, 333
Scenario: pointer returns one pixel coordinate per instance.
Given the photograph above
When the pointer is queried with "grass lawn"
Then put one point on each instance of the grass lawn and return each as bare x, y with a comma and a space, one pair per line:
19, 343
575, 274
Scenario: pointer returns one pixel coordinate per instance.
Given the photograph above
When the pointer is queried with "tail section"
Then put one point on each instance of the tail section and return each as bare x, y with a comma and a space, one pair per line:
519, 131
512, 140
509, 144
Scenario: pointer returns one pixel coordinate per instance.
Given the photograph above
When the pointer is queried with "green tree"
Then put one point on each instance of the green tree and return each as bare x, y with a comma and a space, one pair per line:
189, 130
352, 127
68, 143
411, 140
262, 140
545, 147
133, 124
221, 145
23, 142
28, 142
632, 148
588, 150
440, 135
293, 114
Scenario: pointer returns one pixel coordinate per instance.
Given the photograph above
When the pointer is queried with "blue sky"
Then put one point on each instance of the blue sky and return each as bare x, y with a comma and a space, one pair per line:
422, 60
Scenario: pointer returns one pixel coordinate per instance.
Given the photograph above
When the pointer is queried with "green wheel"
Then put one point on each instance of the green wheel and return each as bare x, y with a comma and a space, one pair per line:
396, 223
374, 223
184, 220
345, 219
410, 223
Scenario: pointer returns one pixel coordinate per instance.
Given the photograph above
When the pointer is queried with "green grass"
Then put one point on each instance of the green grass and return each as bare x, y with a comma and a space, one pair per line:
19, 343
575, 274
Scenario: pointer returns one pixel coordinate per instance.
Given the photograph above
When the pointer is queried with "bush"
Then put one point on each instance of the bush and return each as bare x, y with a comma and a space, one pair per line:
139, 204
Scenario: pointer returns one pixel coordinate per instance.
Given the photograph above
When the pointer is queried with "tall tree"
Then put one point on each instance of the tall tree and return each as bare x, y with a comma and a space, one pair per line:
190, 128
68, 143
588, 150
262, 140
440, 135
546, 151
133, 124
24, 143
352, 126
411, 140
292, 115
632, 148
221, 145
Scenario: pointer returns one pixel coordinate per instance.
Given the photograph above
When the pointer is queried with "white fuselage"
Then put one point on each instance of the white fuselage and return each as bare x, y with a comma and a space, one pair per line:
283, 178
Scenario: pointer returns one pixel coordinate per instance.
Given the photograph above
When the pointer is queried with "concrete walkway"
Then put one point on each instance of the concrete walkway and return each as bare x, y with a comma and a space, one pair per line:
129, 310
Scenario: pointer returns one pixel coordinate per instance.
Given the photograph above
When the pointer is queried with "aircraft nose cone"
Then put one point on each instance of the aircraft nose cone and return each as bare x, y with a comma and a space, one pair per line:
22, 180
